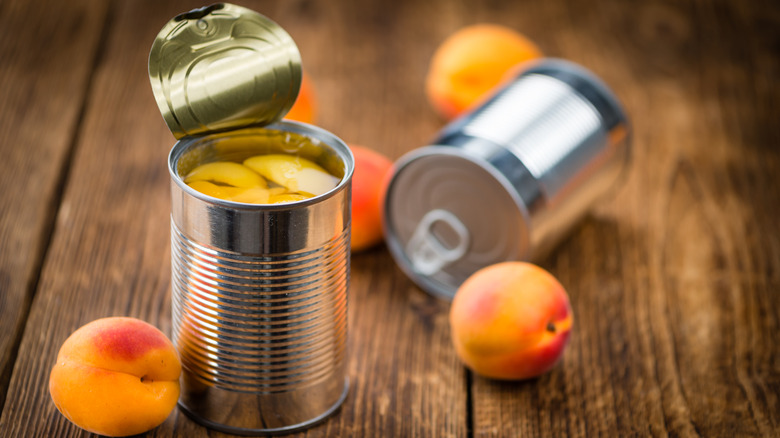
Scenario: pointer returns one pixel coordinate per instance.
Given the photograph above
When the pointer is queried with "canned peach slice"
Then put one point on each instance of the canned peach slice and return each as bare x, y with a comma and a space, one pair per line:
287, 197
216, 191
226, 172
297, 174
254, 195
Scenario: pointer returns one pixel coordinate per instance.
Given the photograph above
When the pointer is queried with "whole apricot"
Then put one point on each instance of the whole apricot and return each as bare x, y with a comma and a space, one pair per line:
510, 321
472, 61
368, 191
305, 107
116, 377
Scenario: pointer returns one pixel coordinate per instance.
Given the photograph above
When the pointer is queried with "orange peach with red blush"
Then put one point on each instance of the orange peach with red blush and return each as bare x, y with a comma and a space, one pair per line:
510, 321
368, 191
116, 377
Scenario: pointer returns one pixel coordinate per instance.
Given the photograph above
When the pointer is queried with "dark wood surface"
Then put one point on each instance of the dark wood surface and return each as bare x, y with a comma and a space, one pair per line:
674, 279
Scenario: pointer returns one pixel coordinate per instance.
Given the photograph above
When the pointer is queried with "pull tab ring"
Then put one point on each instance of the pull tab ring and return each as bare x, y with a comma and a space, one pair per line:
426, 252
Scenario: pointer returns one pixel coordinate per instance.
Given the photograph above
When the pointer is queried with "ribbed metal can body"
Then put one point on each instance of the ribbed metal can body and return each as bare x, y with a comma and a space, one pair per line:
260, 293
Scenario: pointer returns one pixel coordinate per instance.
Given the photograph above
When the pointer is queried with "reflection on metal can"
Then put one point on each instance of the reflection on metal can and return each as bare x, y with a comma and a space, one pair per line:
259, 291
507, 180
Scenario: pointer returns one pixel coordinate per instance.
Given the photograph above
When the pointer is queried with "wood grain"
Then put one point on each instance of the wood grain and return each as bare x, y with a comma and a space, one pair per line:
111, 250
674, 281
46, 59
674, 278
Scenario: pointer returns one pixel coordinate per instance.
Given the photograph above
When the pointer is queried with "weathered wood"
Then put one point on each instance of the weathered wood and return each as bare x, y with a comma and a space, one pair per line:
47, 53
110, 251
674, 281
108, 254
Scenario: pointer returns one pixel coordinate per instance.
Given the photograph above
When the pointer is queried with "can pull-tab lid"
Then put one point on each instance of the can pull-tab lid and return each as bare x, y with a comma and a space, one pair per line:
223, 67
427, 253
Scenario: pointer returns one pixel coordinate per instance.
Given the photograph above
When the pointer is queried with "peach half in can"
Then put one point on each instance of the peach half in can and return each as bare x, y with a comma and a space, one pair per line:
262, 179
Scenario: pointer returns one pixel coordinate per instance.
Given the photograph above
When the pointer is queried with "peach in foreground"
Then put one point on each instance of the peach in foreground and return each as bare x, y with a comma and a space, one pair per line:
116, 377
510, 321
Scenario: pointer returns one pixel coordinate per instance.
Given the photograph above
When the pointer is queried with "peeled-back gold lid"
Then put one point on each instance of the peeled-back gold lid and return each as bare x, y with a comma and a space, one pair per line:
223, 67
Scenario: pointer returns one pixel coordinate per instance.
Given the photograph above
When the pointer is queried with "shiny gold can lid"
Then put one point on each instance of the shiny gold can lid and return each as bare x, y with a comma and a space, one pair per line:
223, 67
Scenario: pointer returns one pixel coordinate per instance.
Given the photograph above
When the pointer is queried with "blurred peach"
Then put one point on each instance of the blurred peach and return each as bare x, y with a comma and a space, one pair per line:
510, 321
305, 107
471, 62
116, 377
368, 191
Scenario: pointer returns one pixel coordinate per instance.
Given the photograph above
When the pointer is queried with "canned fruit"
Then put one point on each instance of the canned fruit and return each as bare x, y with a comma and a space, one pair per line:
252, 195
368, 192
305, 107
287, 197
116, 377
295, 173
217, 191
226, 172
472, 61
257, 195
292, 179
510, 321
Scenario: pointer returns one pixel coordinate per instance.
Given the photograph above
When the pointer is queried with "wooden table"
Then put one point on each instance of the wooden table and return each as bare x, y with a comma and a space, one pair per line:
674, 280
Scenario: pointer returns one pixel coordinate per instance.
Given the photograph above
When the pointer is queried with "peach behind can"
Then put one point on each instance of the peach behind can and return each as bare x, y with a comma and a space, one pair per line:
259, 291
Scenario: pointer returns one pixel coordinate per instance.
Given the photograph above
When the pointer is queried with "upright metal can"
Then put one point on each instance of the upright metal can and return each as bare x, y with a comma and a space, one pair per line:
507, 180
259, 291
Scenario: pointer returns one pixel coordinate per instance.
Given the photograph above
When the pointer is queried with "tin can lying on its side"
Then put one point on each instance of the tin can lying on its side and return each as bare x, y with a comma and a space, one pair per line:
509, 179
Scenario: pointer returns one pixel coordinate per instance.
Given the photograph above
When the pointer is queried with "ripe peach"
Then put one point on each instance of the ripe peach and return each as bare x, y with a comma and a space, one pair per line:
471, 62
368, 191
116, 377
305, 107
510, 320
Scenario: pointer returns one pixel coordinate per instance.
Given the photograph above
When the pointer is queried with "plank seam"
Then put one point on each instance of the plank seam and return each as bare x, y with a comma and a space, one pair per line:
469, 403
55, 204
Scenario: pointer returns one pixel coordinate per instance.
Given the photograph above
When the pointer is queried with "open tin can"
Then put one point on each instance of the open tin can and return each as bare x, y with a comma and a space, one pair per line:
259, 291
507, 180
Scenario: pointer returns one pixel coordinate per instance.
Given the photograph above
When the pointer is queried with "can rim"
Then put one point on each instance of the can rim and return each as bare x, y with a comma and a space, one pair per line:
300, 128
425, 282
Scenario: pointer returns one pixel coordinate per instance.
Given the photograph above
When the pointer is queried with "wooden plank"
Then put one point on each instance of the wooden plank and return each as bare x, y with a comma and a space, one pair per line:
673, 281
110, 249
47, 50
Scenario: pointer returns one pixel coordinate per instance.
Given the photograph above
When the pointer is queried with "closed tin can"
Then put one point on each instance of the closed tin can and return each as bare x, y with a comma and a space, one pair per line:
507, 180
259, 291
